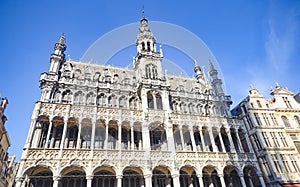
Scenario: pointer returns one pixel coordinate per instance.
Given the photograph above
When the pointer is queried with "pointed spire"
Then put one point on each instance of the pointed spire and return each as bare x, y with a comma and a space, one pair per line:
143, 12
252, 87
62, 39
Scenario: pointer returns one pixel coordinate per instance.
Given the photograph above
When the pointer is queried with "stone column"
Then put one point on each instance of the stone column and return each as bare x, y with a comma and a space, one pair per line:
221, 176
18, 182
200, 180
36, 135
78, 144
64, 132
89, 180
242, 179
148, 180
232, 148
119, 137
170, 137
119, 180
176, 181
221, 140
132, 136
202, 140
106, 136
93, 134
56, 180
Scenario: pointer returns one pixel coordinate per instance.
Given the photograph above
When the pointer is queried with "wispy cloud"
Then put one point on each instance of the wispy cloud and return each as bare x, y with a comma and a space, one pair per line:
280, 41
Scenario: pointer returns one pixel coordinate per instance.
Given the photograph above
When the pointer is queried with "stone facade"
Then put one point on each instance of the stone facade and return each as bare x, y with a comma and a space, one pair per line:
104, 126
274, 129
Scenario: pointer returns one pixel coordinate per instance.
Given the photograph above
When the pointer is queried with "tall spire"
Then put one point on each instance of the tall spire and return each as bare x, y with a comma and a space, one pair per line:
143, 12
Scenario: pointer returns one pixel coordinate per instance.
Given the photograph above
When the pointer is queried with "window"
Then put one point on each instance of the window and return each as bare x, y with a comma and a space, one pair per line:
122, 102
258, 103
266, 119
294, 163
274, 138
285, 163
283, 139
257, 119
257, 142
266, 138
249, 122
150, 100
151, 71
101, 100
297, 120
158, 101
274, 119
285, 121
287, 102
266, 166
276, 163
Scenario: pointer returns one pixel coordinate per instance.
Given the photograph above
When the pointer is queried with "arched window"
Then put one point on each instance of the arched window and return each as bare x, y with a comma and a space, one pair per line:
148, 46
151, 71
101, 100
158, 101
86, 133
143, 46
258, 103
72, 134
150, 100
285, 121
78, 98
297, 119
90, 99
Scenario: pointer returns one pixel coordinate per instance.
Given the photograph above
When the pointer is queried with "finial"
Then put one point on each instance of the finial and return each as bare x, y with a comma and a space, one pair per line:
277, 84
62, 39
143, 12
252, 87
211, 65
195, 62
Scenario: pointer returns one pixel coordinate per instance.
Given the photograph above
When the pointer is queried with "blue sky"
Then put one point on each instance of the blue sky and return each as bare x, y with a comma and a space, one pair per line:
255, 42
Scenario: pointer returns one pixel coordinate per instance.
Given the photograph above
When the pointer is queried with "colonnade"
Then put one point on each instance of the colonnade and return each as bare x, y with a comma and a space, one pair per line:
134, 177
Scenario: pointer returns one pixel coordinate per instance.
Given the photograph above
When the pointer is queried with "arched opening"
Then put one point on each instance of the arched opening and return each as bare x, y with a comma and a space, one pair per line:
104, 177
243, 139
72, 134
207, 139
158, 140
297, 120
161, 177
187, 138
138, 138
150, 100
101, 100
177, 138
188, 177
73, 176
56, 132
251, 177
159, 105
79, 98
197, 137
231, 177
234, 139
41, 131
132, 177
123, 102
86, 133
225, 139
217, 139
112, 135
99, 134
210, 177
126, 136
40, 177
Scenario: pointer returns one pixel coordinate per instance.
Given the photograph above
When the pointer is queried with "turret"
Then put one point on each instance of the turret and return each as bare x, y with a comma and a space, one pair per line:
58, 57
147, 63
216, 82
198, 71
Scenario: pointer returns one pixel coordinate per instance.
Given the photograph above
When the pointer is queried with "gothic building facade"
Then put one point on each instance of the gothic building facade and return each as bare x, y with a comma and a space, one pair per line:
103, 126
274, 130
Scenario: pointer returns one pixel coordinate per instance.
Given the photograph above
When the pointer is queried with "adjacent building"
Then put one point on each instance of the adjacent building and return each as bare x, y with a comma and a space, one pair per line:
7, 164
103, 126
274, 129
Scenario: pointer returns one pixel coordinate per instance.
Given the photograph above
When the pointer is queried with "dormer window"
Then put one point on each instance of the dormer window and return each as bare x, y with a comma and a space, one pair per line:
287, 102
258, 103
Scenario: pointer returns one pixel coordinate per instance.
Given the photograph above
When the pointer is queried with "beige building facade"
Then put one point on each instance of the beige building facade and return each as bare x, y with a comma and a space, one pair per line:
274, 129
104, 126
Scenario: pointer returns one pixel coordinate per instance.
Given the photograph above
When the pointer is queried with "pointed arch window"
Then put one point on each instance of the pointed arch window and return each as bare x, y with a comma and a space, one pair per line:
151, 71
